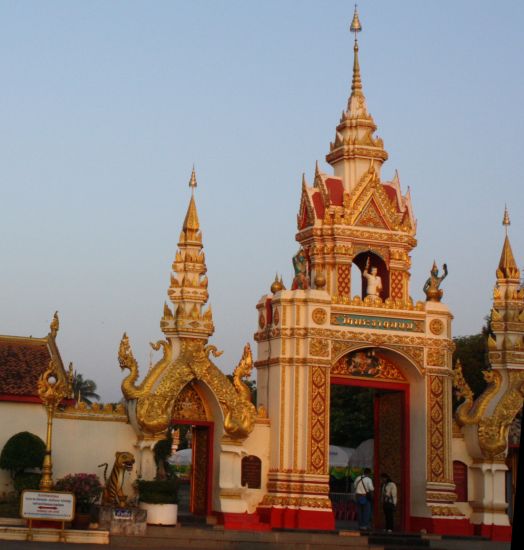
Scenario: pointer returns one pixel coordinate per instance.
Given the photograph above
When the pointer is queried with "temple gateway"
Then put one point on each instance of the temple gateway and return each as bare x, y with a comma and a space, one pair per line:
347, 319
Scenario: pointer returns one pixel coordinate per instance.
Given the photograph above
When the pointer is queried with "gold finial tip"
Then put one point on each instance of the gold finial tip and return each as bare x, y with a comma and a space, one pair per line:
505, 220
193, 181
355, 24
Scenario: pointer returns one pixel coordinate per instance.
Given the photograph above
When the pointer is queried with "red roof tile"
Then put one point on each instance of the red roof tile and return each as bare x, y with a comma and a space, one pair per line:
22, 361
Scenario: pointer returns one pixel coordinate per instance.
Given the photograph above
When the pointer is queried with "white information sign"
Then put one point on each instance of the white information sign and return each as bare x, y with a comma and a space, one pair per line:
50, 505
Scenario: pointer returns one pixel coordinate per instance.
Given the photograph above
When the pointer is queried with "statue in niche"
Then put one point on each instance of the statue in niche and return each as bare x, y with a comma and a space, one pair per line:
301, 279
431, 287
373, 281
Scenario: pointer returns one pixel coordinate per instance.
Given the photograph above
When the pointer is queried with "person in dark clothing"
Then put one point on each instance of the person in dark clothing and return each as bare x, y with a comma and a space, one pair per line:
388, 496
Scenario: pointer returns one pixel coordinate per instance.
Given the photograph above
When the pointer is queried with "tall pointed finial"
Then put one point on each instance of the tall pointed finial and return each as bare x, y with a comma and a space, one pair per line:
193, 181
356, 27
505, 221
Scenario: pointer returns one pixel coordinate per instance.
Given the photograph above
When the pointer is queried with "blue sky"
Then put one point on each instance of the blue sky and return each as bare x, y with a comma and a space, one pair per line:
105, 106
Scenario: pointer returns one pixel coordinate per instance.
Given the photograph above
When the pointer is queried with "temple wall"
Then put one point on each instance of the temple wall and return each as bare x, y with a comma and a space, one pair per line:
258, 444
15, 418
79, 443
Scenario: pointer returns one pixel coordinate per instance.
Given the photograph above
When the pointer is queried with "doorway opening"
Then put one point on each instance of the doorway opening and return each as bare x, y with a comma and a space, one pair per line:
192, 463
368, 429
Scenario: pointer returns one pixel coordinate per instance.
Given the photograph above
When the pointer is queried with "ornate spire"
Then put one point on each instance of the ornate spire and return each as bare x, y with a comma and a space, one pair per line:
188, 288
507, 268
355, 145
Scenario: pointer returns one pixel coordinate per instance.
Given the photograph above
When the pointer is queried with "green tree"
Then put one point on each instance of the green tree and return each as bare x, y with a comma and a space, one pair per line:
351, 415
84, 390
22, 451
472, 352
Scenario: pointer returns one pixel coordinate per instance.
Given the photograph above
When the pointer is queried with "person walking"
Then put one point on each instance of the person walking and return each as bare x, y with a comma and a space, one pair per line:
364, 491
388, 496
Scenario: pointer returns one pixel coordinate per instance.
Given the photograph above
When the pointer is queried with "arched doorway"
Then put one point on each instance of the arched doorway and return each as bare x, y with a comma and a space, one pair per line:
385, 391
192, 422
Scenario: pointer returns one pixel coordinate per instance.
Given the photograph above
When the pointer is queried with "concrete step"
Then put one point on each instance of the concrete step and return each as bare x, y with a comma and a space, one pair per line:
200, 539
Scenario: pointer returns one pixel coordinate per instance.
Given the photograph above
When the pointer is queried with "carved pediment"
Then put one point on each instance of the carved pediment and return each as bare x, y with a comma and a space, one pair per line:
371, 217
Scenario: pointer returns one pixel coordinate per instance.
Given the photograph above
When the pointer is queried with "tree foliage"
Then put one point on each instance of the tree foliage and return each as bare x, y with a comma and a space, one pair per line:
472, 352
84, 390
351, 416
22, 451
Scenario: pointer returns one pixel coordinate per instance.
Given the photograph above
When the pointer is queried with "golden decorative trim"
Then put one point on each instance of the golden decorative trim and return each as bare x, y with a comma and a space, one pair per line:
445, 511
304, 361
296, 406
441, 497
435, 430
493, 430
282, 412
296, 502
297, 488
435, 357
319, 420
319, 347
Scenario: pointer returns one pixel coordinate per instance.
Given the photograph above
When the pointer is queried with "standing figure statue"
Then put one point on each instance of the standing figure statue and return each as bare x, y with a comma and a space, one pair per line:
431, 287
374, 282
301, 279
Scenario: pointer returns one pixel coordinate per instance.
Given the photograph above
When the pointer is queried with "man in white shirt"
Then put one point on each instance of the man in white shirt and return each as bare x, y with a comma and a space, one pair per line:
364, 493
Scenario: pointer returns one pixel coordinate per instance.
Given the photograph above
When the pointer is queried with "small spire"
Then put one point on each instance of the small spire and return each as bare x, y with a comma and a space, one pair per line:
191, 220
507, 268
193, 181
505, 221
356, 84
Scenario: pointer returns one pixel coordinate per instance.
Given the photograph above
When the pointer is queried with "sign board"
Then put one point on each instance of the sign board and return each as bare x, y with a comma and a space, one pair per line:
52, 505
380, 323
122, 513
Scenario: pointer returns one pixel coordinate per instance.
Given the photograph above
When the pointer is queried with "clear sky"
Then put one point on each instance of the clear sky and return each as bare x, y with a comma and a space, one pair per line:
105, 106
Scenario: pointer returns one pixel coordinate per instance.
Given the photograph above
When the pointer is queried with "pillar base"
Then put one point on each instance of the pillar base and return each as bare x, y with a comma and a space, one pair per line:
296, 518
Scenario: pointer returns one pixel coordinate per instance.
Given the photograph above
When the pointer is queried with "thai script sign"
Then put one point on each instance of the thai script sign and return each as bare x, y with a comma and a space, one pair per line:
48, 505
380, 323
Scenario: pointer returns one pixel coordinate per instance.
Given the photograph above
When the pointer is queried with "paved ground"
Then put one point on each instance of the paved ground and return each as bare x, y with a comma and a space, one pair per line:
191, 538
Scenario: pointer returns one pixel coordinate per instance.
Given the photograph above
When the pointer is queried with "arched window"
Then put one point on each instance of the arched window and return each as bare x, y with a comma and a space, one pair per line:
460, 477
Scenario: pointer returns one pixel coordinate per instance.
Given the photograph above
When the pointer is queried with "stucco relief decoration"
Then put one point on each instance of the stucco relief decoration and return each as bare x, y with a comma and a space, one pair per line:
343, 280
189, 406
397, 286
436, 429
436, 357
276, 316
436, 326
261, 321
156, 395
318, 421
318, 347
367, 364
319, 316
